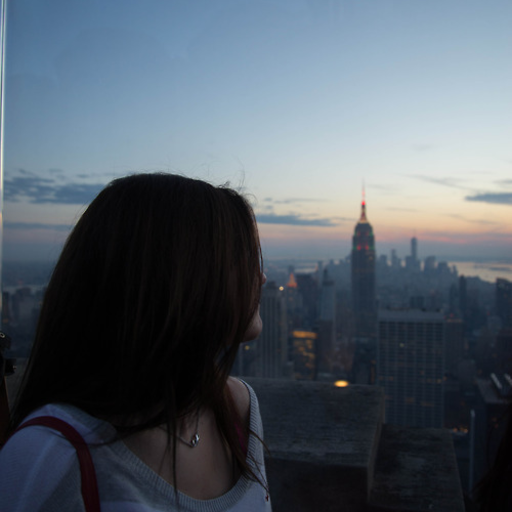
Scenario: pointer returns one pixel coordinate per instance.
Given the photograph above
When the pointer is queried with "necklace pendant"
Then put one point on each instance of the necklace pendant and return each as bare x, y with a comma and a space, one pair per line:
194, 441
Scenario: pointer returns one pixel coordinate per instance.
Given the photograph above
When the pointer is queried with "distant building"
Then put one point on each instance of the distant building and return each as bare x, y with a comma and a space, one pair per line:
454, 344
410, 366
294, 304
414, 248
382, 262
304, 354
363, 277
396, 263
411, 262
417, 302
430, 265
492, 413
272, 345
326, 324
463, 297
503, 350
6, 309
504, 301
308, 290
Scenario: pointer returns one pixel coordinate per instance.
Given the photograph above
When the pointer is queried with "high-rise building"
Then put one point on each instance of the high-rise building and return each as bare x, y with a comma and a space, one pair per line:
307, 287
463, 297
363, 277
454, 344
430, 265
396, 263
304, 354
272, 345
491, 419
294, 309
411, 262
504, 301
326, 324
503, 350
414, 248
6, 309
410, 366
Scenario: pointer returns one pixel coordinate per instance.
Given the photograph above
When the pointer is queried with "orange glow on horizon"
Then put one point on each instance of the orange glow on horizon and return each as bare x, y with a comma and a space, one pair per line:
270, 233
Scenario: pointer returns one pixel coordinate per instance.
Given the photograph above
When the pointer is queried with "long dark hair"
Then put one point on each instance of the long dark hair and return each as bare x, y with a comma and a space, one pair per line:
148, 304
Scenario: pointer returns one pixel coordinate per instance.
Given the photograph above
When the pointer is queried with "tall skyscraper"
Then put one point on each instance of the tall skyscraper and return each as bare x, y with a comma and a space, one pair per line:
430, 265
454, 344
463, 297
411, 262
272, 345
504, 301
307, 287
304, 354
411, 365
326, 324
363, 277
414, 248
294, 309
396, 263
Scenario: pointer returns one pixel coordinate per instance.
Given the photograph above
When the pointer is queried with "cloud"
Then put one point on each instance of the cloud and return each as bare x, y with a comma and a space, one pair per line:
492, 198
293, 200
423, 147
504, 182
292, 220
266, 208
36, 225
472, 221
385, 188
26, 185
446, 182
343, 219
298, 200
398, 209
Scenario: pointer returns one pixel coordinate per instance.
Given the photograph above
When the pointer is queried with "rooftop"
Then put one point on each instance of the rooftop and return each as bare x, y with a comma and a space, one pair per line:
331, 451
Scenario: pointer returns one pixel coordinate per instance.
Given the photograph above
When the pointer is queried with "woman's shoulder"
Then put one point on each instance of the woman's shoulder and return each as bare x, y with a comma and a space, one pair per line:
247, 404
34, 463
241, 397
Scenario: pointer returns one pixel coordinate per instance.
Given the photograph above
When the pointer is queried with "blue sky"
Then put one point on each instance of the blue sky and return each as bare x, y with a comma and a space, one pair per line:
297, 102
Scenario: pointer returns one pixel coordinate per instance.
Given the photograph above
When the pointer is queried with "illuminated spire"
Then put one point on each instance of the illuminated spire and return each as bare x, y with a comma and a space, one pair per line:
292, 283
363, 208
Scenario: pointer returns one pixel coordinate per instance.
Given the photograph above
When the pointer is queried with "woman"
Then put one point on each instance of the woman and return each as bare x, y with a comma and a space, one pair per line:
155, 289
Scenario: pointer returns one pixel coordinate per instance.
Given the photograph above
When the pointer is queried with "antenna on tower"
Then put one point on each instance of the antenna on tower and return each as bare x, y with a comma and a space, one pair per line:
363, 207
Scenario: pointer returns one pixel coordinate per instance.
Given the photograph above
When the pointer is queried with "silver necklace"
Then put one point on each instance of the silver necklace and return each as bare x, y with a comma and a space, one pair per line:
194, 440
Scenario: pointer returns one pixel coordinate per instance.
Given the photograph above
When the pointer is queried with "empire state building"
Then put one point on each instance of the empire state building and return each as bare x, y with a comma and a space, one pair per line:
363, 276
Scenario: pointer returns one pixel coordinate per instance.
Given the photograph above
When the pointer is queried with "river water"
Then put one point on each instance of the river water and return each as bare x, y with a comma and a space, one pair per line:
488, 271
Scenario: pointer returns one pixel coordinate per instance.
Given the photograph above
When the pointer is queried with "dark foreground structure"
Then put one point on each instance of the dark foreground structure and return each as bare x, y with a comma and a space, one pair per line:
332, 452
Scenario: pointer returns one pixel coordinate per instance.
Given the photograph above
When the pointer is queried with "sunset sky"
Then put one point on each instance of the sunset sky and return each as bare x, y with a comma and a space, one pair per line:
298, 102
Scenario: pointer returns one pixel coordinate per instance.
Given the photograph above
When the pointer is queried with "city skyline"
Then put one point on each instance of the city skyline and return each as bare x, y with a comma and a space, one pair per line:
295, 102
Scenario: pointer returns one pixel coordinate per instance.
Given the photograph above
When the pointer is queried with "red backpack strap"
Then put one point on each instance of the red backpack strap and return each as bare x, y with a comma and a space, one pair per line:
4, 411
90, 492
